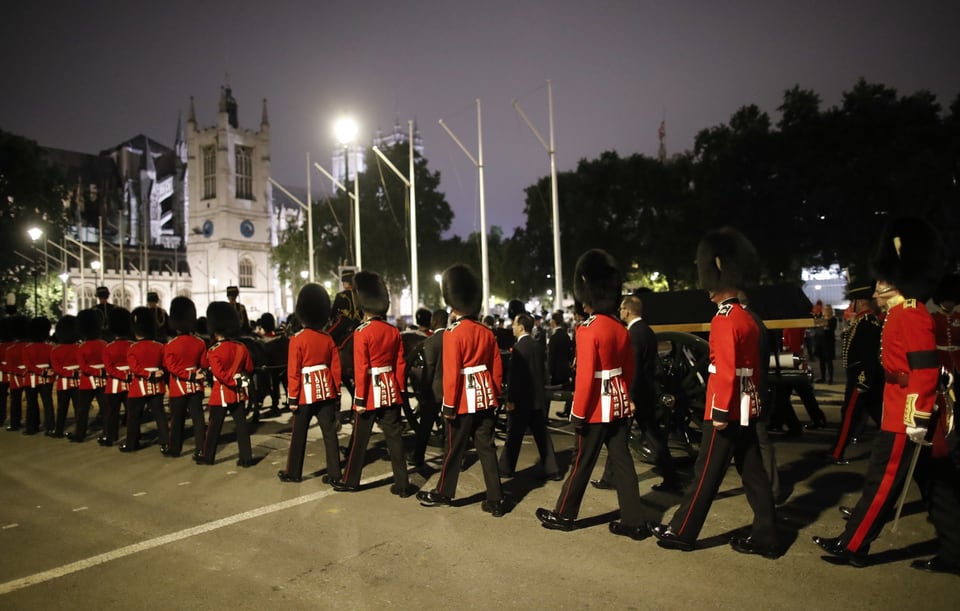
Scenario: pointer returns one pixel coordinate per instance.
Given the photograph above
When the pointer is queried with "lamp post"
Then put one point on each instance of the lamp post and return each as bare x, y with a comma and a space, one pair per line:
64, 277
346, 131
35, 233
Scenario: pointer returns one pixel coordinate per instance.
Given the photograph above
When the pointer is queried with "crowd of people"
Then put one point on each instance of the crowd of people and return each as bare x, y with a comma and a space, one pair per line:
177, 366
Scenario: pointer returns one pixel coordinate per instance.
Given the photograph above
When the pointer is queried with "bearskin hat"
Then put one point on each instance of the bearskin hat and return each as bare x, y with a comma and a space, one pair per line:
948, 290
119, 322
597, 281
183, 315
422, 317
39, 329
462, 290
6, 330
514, 308
910, 257
144, 323
153, 297
66, 330
313, 306
223, 319
726, 260
372, 295
19, 327
90, 323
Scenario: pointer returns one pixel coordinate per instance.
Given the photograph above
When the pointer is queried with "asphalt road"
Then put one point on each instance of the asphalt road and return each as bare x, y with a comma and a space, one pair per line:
85, 527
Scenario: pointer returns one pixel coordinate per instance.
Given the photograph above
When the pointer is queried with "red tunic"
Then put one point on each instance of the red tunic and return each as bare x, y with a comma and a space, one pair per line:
13, 367
910, 391
946, 326
90, 359
227, 360
4, 376
145, 358
604, 371
115, 364
734, 365
63, 361
472, 369
182, 358
378, 365
313, 367
36, 362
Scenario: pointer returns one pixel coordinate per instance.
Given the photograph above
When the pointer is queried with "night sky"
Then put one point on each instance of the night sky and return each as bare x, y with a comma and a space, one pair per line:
86, 76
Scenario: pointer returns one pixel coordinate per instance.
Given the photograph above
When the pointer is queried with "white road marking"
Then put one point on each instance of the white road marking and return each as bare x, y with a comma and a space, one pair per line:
184, 484
129, 550
139, 493
80, 509
6, 526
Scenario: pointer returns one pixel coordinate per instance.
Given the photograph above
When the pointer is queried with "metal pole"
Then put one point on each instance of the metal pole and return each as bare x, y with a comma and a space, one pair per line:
83, 294
414, 263
309, 221
356, 203
102, 262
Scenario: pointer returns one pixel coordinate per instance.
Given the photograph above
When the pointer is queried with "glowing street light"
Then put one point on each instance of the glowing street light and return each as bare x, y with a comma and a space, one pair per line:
304, 274
35, 233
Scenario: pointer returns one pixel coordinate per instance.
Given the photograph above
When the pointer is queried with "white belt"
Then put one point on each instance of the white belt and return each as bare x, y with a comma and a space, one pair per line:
375, 371
740, 371
313, 368
948, 348
475, 369
606, 374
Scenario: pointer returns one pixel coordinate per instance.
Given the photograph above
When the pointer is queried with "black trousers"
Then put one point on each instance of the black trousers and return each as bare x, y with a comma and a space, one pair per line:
191, 404
944, 495
4, 393
480, 427
135, 408
218, 413
35, 395
326, 414
429, 411
856, 405
16, 408
389, 419
883, 483
111, 415
656, 438
81, 408
589, 440
64, 399
518, 421
716, 449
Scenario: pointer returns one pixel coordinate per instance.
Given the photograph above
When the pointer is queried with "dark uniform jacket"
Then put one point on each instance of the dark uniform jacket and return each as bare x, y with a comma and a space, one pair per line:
559, 355
525, 387
643, 390
861, 351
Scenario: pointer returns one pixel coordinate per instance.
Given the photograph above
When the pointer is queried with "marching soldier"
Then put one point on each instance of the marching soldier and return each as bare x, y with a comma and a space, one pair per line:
230, 366
117, 372
313, 384
602, 409
861, 361
90, 362
726, 262
6, 339
64, 363
13, 367
379, 369
472, 378
146, 379
182, 360
907, 266
38, 382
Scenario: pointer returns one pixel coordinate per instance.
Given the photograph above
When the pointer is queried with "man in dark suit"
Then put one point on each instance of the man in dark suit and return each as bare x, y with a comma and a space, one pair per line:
643, 393
430, 391
527, 402
559, 353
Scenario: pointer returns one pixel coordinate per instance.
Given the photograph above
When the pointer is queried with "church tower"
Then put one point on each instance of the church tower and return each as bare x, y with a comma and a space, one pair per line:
230, 232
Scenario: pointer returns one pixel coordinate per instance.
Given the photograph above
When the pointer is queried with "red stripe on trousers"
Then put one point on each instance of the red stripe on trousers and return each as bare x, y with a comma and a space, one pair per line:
703, 473
845, 426
573, 473
883, 492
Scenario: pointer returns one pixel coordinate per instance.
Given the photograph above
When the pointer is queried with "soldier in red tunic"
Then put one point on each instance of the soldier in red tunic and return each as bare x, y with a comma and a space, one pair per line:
91, 371
313, 384
182, 359
146, 378
602, 410
230, 367
14, 368
379, 370
64, 363
6, 339
472, 378
116, 372
726, 262
946, 322
38, 380
907, 267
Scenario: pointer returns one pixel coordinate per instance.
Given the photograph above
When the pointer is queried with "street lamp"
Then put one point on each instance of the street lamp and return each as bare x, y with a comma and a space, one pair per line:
35, 233
345, 130
304, 274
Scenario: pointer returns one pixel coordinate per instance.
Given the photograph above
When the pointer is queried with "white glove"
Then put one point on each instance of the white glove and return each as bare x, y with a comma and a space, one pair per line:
917, 434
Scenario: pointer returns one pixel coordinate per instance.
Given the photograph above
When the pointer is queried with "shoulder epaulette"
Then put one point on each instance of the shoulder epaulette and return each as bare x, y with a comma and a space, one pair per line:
587, 322
455, 324
299, 332
216, 345
725, 309
362, 326
909, 303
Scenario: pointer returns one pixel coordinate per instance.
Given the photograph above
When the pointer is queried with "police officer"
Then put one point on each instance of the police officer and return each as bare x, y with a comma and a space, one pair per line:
726, 262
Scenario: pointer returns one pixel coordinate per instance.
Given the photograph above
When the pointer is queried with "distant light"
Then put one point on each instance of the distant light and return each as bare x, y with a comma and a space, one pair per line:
34, 233
437, 277
64, 277
304, 274
345, 129
327, 285
95, 265
823, 217
817, 287
213, 281
654, 276
549, 292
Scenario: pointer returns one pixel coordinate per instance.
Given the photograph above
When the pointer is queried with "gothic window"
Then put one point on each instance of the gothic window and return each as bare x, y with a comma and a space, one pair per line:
246, 272
244, 172
86, 298
123, 297
209, 172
